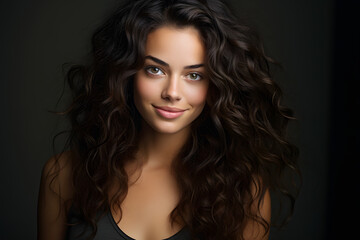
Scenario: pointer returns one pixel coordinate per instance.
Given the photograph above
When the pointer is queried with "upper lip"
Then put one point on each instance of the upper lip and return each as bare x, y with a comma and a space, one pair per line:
170, 109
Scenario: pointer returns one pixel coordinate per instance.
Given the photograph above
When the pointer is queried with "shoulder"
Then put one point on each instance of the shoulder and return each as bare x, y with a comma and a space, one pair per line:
57, 175
55, 197
260, 209
260, 194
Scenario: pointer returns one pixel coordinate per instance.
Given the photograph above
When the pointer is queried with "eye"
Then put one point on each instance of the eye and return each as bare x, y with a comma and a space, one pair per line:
154, 70
194, 76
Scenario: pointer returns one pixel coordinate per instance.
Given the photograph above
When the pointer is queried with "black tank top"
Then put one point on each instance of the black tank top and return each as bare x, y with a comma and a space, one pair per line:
107, 229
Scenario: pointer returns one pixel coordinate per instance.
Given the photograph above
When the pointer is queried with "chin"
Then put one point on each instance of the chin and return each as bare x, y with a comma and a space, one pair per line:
168, 128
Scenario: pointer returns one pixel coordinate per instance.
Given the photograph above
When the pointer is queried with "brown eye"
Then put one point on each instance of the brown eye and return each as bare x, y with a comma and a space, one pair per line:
194, 76
154, 70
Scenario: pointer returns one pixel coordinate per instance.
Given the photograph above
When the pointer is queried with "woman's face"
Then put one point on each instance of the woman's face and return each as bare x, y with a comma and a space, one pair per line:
170, 90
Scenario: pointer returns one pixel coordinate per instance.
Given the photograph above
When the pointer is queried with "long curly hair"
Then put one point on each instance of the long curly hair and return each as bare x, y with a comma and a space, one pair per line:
238, 142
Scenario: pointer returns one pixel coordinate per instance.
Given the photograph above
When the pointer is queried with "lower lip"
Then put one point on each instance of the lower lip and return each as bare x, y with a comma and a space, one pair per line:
169, 115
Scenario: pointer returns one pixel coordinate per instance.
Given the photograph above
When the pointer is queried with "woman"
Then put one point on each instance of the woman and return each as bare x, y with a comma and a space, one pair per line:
177, 131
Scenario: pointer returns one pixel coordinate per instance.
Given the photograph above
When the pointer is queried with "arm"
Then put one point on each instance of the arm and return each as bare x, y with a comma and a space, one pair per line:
53, 195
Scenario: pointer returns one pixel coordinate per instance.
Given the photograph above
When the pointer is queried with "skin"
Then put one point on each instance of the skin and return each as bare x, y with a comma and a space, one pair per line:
174, 81
51, 217
174, 76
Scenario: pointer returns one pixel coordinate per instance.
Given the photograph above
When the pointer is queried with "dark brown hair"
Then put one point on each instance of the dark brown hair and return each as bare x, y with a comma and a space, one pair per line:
239, 141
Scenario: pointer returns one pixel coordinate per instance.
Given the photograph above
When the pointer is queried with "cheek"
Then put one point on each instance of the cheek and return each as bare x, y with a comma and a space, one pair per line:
144, 89
197, 96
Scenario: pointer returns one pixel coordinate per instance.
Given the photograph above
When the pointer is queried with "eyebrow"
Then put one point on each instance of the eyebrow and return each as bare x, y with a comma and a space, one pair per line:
161, 62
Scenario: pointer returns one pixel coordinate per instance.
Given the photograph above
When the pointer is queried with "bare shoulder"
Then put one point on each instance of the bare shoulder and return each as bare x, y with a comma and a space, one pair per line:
261, 208
55, 197
57, 174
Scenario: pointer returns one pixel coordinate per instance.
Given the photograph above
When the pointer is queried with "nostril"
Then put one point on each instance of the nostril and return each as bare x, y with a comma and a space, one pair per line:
171, 96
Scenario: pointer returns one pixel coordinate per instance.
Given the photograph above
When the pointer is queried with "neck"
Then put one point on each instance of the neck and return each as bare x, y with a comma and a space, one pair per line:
159, 149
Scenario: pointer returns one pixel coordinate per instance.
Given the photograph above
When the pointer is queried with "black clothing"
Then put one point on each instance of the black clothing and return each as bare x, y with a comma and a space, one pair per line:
107, 229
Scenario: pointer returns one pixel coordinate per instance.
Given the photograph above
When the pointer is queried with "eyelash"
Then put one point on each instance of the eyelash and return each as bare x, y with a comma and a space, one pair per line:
149, 68
199, 76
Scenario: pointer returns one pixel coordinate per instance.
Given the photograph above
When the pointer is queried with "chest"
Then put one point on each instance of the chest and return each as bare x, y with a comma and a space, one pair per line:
152, 195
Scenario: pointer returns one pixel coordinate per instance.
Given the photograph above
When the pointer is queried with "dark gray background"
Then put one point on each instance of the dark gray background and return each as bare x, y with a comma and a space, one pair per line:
37, 37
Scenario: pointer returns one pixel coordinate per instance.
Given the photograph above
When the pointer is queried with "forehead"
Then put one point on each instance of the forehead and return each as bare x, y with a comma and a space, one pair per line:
176, 45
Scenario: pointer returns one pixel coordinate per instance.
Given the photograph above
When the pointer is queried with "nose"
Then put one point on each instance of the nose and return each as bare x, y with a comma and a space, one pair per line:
171, 91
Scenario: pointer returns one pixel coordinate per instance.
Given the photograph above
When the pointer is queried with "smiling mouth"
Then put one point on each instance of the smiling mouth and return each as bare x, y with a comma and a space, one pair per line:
169, 112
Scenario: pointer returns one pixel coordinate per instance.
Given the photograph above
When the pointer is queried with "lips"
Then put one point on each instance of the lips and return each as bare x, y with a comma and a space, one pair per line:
169, 112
